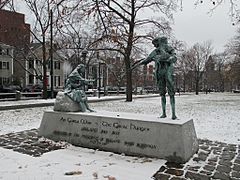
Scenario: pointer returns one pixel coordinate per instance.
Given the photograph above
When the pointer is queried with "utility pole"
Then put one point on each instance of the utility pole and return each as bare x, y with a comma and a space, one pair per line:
84, 56
145, 68
99, 76
99, 79
51, 52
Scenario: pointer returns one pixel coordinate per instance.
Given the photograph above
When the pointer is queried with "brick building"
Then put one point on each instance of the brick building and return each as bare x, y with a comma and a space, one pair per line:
16, 33
13, 29
143, 76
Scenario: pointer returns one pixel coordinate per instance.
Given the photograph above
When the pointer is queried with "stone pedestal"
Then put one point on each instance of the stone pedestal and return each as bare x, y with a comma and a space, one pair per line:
64, 104
132, 134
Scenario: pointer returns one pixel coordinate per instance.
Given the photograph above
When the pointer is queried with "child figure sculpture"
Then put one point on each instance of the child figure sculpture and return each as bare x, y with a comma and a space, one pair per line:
164, 58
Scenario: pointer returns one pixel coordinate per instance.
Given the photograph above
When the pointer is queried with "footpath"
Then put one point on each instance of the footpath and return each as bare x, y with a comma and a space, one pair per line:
7, 105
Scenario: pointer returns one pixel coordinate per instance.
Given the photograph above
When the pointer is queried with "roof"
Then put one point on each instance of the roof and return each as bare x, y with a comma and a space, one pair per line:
56, 54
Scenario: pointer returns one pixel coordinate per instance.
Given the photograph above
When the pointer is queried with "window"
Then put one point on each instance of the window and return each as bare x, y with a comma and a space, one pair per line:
5, 80
90, 70
31, 79
56, 65
57, 81
47, 81
31, 63
49, 65
1, 51
38, 62
4, 65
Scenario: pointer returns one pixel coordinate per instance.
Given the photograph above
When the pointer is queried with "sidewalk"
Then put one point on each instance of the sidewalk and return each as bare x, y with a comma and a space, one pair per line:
7, 105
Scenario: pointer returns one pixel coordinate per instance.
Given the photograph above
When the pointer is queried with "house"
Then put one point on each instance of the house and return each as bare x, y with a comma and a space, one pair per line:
6, 64
34, 67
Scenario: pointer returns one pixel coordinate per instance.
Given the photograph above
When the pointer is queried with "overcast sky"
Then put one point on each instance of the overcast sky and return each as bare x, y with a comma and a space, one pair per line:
194, 24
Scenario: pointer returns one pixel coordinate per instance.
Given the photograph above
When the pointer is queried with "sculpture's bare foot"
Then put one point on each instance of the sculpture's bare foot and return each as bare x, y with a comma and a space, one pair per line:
163, 116
174, 117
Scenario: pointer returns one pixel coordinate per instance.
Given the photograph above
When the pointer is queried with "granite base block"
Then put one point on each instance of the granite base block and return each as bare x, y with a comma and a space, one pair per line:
132, 134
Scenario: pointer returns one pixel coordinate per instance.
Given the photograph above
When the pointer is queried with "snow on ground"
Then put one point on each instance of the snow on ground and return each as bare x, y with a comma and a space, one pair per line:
215, 115
86, 163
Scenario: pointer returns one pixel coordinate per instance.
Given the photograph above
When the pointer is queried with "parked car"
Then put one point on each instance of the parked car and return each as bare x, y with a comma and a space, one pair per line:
9, 89
236, 91
33, 88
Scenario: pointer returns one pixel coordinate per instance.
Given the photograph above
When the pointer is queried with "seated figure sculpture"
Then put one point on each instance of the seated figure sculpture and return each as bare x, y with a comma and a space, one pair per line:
74, 87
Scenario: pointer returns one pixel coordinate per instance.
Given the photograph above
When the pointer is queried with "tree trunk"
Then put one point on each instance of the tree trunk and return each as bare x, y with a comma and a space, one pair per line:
184, 82
197, 86
129, 81
45, 80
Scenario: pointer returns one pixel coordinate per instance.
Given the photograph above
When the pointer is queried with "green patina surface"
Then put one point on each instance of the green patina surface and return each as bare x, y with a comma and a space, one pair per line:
74, 87
164, 57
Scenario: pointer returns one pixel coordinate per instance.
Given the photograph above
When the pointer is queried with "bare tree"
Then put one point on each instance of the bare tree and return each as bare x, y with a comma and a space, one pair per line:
182, 68
42, 12
234, 8
222, 60
196, 58
122, 27
233, 50
214, 72
4, 3
73, 35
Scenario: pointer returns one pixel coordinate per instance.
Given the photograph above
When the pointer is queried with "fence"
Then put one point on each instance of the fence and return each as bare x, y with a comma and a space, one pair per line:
38, 95
20, 95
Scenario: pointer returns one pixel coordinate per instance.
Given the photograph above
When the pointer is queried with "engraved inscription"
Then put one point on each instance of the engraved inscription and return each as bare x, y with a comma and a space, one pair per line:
62, 133
100, 132
87, 129
129, 143
108, 140
138, 128
119, 126
143, 146
78, 121
115, 132
104, 132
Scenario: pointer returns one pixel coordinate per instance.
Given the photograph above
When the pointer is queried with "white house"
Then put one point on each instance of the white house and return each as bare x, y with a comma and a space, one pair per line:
6, 64
34, 67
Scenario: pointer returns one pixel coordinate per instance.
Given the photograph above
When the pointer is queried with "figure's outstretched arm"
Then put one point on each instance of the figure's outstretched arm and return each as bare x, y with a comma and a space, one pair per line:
150, 58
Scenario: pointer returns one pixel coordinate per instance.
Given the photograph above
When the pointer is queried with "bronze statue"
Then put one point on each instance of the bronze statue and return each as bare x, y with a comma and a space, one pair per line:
74, 87
164, 58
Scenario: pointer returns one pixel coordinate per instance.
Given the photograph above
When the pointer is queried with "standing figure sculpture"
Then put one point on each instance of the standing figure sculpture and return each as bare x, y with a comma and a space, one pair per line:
164, 58
74, 87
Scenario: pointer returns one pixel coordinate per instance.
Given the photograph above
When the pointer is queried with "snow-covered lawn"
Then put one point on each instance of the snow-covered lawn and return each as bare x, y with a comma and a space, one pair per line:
216, 117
